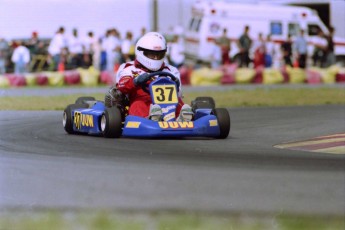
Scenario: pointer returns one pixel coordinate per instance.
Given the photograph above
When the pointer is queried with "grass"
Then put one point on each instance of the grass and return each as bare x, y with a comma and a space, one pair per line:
161, 221
233, 98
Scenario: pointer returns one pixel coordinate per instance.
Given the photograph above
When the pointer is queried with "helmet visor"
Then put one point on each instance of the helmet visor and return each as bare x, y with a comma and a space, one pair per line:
153, 54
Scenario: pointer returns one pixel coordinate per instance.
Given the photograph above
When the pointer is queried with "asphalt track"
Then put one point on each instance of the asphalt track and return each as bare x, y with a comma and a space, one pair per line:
43, 167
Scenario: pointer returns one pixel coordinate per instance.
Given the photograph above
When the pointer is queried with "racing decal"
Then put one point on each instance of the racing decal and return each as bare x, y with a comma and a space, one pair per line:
164, 94
169, 116
176, 124
83, 120
133, 124
213, 123
168, 108
334, 144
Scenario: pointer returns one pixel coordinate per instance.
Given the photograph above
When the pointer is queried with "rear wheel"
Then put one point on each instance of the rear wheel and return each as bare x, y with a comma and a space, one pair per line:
203, 103
67, 119
111, 123
82, 100
223, 118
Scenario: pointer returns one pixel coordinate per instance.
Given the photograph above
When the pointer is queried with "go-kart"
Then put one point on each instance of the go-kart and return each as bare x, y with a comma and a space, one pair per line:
90, 116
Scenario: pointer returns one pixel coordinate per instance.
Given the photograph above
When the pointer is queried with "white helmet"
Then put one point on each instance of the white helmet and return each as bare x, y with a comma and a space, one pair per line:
150, 50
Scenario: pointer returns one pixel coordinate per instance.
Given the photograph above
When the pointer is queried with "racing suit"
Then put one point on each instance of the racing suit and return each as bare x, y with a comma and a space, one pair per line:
140, 100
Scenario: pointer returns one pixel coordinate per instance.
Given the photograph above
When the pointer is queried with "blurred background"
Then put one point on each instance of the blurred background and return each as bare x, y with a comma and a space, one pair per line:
19, 18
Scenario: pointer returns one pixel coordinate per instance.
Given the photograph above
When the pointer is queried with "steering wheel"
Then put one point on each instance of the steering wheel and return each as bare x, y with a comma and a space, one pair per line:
161, 74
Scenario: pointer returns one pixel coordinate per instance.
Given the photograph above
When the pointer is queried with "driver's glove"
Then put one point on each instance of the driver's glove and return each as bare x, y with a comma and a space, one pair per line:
141, 79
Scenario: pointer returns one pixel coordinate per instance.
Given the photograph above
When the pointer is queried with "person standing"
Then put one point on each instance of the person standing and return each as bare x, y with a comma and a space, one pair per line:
270, 51
286, 48
91, 50
32, 44
128, 47
245, 43
20, 58
300, 46
57, 47
4, 50
176, 52
320, 47
76, 49
225, 45
259, 53
112, 49
330, 57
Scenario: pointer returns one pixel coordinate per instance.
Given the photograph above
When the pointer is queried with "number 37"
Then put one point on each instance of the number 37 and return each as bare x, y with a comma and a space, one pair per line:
165, 94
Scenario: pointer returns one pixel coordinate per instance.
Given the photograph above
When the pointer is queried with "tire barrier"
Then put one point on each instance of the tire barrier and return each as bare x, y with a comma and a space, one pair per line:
227, 74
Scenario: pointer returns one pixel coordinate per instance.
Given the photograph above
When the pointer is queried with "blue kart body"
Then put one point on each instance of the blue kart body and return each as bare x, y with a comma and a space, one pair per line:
163, 92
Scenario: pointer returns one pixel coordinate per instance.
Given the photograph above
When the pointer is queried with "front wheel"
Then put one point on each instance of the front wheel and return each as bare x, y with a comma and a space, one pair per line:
223, 118
111, 123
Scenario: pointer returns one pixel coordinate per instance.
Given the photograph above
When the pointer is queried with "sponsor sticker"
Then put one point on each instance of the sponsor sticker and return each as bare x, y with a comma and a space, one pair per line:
213, 123
169, 116
83, 120
133, 124
176, 124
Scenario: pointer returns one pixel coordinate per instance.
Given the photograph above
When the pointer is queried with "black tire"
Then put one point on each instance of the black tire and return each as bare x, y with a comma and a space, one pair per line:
224, 122
81, 100
67, 120
111, 123
203, 103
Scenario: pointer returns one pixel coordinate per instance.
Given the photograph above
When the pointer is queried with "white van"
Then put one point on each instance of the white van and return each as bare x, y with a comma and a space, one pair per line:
210, 18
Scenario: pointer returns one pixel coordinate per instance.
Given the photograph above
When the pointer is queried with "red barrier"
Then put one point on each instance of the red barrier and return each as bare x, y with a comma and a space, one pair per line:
16, 80
228, 73
71, 77
42, 79
340, 77
107, 78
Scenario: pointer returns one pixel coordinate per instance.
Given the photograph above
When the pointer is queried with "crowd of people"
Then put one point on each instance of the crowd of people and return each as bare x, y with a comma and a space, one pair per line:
107, 52
265, 52
64, 51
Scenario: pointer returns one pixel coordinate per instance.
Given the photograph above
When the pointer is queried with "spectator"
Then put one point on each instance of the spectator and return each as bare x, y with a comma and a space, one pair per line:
216, 55
112, 48
90, 43
259, 51
103, 42
142, 33
300, 46
39, 57
270, 51
4, 49
286, 48
225, 45
128, 47
330, 57
33, 43
57, 47
320, 47
176, 52
244, 43
76, 49
20, 58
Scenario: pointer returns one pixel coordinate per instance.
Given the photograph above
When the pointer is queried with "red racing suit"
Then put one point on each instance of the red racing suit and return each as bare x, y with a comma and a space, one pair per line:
140, 100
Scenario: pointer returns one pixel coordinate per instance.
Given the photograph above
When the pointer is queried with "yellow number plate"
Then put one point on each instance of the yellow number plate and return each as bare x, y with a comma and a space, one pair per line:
164, 94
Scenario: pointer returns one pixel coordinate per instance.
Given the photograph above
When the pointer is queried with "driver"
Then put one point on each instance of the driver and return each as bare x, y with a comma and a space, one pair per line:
150, 52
